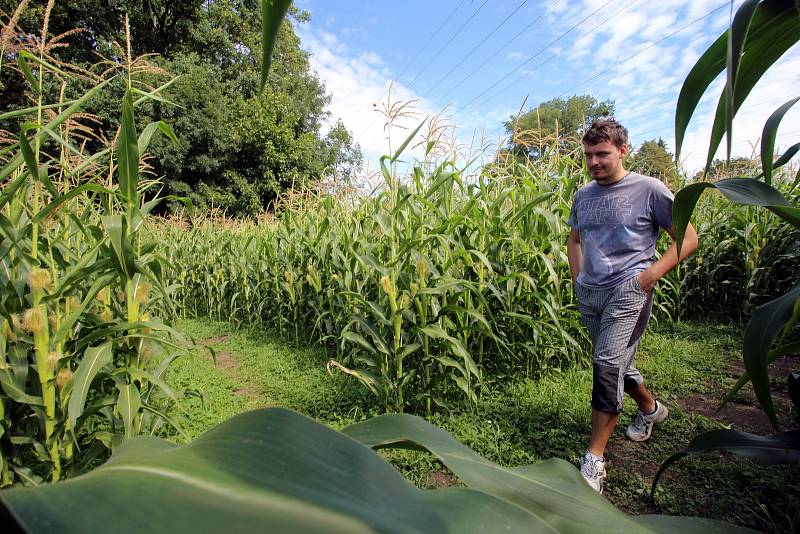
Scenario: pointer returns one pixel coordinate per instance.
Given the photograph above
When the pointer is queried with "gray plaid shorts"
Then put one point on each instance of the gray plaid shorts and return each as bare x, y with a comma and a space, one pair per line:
616, 318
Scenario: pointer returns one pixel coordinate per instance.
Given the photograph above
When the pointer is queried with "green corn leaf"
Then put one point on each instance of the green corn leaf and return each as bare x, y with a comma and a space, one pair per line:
128, 154
737, 34
762, 49
128, 405
43, 63
94, 359
59, 200
552, 492
358, 339
774, 354
768, 450
764, 326
116, 229
407, 141
22, 61
143, 377
272, 13
33, 109
168, 418
15, 392
768, 138
743, 191
789, 154
770, 33
147, 134
27, 152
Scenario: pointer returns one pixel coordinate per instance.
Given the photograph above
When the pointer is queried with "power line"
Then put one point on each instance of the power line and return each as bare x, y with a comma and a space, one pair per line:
448, 42
434, 34
537, 67
495, 84
600, 73
372, 122
494, 55
474, 48
750, 111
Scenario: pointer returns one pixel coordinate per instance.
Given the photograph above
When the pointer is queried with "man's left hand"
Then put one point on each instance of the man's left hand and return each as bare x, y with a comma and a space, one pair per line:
646, 281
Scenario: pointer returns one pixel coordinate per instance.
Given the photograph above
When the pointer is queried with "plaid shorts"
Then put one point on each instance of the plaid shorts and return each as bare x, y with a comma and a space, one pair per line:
616, 318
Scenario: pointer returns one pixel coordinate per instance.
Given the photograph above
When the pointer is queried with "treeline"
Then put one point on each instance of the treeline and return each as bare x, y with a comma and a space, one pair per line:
237, 150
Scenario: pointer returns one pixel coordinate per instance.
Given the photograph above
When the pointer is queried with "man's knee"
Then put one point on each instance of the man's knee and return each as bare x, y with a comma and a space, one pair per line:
606, 390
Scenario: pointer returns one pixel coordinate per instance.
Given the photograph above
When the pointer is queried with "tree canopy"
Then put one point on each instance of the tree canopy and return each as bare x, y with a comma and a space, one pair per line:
238, 149
557, 117
652, 158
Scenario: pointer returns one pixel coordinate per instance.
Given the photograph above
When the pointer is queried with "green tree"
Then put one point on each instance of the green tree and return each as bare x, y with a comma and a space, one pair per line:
239, 148
653, 159
558, 117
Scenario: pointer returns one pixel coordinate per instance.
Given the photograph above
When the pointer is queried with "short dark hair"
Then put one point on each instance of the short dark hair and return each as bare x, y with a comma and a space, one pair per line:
606, 130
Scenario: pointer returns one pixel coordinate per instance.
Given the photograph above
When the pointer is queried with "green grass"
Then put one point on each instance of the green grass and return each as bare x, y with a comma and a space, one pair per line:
519, 422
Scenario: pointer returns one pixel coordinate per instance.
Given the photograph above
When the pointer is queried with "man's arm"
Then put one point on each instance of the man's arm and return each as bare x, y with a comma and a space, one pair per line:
667, 262
574, 254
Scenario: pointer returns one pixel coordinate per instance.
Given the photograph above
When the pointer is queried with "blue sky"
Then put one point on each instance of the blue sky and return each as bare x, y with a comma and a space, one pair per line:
473, 63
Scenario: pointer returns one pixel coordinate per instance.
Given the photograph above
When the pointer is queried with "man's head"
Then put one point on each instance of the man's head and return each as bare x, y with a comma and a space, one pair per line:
605, 145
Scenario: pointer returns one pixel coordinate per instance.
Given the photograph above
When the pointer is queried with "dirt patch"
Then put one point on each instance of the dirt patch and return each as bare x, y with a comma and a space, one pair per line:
742, 416
780, 368
440, 479
216, 340
248, 391
624, 452
226, 361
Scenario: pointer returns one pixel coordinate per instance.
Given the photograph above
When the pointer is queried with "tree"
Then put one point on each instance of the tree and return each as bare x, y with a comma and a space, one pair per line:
653, 159
558, 117
239, 148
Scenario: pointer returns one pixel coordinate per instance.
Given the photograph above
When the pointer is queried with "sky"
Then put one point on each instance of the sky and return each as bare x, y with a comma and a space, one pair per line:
473, 64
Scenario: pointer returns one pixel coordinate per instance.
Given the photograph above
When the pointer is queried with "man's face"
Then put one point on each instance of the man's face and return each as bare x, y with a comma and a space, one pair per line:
604, 160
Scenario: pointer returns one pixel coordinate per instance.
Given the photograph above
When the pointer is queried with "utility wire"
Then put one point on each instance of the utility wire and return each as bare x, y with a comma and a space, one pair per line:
553, 56
434, 34
494, 55
495, 84
749, 114
372, 122
474, 48
615, 65
442, 49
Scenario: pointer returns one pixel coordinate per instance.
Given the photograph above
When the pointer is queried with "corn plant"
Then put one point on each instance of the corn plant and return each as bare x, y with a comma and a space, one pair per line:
80, 352
760, 32
253, 472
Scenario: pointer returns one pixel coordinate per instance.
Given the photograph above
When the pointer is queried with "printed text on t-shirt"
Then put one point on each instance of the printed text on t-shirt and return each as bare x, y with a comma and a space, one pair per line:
605, 209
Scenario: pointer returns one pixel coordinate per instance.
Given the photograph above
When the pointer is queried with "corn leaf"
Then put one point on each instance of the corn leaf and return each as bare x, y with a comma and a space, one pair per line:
768, 450
272, 13
768, 138
764, 326
128, 405
94, 359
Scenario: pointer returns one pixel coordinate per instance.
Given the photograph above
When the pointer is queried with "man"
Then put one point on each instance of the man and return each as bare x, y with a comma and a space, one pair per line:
615, 221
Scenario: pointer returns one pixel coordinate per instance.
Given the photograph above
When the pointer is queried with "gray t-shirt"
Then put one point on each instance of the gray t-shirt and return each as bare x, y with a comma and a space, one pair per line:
619, 226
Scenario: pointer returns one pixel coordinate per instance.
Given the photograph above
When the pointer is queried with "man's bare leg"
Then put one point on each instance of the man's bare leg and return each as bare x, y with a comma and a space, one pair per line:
603, 424
643, 398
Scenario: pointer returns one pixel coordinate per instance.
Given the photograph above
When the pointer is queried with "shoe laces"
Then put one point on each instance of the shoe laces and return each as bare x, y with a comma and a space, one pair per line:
589, 466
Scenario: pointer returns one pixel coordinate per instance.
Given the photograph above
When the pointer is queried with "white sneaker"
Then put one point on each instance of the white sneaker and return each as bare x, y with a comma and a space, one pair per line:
593, 470
642, 425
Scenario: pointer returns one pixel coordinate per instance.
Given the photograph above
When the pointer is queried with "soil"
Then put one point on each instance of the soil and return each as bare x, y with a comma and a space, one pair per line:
216, 340
441, 479
226, 361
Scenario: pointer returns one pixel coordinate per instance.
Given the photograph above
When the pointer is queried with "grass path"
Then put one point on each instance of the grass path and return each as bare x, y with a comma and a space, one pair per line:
526, 421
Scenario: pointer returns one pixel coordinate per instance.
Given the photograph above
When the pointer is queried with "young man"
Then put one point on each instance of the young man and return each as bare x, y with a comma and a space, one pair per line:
615, 221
